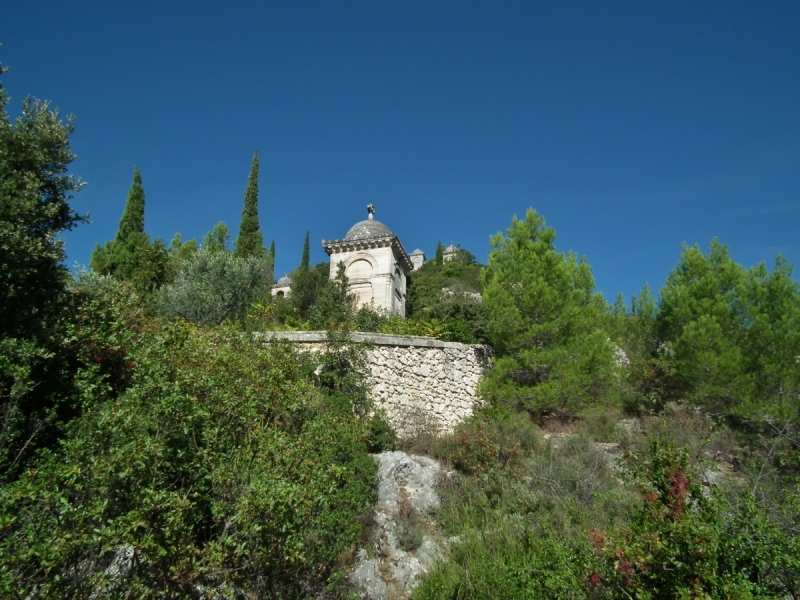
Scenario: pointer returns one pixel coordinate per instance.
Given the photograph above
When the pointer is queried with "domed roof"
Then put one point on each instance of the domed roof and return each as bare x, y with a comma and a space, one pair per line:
417, 252
284, 281
367, 229
450, 249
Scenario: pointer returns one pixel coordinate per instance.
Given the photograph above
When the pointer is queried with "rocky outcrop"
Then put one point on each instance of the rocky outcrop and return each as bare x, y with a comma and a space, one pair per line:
403, 546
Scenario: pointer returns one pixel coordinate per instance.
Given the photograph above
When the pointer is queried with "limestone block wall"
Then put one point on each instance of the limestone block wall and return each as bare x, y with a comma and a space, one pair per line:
421, 383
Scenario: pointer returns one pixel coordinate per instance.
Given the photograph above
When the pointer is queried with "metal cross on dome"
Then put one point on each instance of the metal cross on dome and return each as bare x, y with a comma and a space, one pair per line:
371, 210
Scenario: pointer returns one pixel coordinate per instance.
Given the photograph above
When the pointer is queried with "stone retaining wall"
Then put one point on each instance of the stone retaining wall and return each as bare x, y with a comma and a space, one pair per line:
421, 383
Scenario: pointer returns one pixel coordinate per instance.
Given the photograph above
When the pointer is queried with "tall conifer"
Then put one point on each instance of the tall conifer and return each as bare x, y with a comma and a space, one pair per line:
132, 220
120, 256
250, 242
272, 252
439, 258
306, 259
307, 282
544, 321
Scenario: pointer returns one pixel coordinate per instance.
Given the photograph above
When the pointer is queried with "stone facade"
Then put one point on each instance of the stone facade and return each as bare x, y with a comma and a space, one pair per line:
374, 275
425, 388
417, 258
423, 384
283, 287
375, 263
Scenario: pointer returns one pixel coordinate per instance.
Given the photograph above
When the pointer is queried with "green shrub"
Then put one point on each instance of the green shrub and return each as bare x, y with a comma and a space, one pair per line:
220, 464
483, 444
518, 510
37, 366
682, 543
515, 559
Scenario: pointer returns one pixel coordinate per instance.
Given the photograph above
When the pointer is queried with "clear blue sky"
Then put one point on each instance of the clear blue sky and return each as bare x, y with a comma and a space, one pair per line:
631, 126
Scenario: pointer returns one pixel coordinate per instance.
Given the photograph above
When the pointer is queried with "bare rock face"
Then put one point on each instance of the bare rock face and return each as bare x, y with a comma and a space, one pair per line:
404, 550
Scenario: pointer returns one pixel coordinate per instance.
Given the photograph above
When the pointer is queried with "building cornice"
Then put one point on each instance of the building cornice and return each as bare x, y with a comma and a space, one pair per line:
336, 246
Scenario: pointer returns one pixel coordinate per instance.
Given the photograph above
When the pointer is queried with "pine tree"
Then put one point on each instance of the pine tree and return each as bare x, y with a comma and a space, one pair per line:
544, 321
250, 242
703, 326
216, 240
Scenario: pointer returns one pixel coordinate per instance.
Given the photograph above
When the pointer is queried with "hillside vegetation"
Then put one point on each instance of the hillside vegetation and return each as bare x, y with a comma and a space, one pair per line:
150, 447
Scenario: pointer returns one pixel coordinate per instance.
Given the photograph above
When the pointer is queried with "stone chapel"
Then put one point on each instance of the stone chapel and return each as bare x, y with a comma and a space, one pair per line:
375, 262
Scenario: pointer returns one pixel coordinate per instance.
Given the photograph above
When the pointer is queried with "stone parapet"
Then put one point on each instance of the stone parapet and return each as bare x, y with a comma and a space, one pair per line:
422, 384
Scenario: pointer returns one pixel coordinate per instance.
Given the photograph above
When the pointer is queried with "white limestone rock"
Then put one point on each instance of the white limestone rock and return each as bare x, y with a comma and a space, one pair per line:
395, 572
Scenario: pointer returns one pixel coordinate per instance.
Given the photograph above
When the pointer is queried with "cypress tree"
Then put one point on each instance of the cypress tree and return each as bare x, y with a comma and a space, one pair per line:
250, 242
306, 283
132, 220
305, 261
439, 258
272, 252
120, 256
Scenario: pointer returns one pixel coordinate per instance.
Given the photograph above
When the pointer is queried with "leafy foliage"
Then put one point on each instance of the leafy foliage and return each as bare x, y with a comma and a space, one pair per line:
519, 511
35, 189
506, 563
37, 391
216, 240
214, 286
678, 544
221, 464
435, 282
335, 306
438, 259
308, 284
444, 298
734, 334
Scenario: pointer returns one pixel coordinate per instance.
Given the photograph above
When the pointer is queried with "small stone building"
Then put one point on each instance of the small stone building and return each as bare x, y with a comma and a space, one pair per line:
449, 253
375, 262
283, 287
417, 258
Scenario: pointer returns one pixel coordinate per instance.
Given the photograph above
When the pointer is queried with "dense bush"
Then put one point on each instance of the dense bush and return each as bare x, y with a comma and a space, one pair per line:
519, 511
220, 464
426, 285
513, 559
682, 543
536, 519
445, 298
37, 364
214, 286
